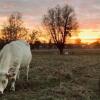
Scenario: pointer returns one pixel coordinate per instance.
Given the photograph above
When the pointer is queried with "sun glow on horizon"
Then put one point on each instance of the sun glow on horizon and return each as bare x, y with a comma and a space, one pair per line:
88, 36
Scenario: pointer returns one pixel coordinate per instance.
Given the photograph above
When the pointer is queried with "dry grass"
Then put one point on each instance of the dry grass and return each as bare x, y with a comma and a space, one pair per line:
54, 77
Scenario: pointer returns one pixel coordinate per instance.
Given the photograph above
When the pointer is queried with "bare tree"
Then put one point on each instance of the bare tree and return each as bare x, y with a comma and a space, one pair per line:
14, 28
60, 23
33, 35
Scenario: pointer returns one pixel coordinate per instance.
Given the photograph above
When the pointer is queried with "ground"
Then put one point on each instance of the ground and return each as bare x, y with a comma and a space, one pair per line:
75, 76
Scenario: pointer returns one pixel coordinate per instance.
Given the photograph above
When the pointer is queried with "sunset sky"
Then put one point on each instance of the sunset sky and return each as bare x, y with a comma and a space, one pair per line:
87, 12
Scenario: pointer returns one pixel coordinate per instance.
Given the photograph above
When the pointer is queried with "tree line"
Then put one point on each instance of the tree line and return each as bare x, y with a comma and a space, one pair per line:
59, 22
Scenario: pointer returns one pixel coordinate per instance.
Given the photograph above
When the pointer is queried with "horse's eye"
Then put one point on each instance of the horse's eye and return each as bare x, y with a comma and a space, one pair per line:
4, 81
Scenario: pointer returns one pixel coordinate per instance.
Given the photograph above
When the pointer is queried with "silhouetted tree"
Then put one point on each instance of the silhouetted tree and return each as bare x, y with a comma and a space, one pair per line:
60, 23
37, 44
78, 41
34, 42
50, 44
96, 44
33, 36
14, 28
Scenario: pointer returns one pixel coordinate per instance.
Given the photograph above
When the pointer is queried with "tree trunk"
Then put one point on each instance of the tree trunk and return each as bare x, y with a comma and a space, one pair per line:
61, 51
60, 47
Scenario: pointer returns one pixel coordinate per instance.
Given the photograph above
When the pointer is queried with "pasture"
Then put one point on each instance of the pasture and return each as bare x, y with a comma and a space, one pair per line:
59, 77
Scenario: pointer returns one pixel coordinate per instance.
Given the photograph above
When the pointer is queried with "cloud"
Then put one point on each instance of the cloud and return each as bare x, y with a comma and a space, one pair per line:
87, 11
32, 10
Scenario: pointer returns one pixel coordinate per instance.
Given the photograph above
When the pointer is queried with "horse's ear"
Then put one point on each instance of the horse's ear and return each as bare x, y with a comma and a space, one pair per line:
8, 75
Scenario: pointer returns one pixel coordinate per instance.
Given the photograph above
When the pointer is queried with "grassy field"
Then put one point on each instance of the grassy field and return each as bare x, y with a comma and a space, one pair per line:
59, 77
